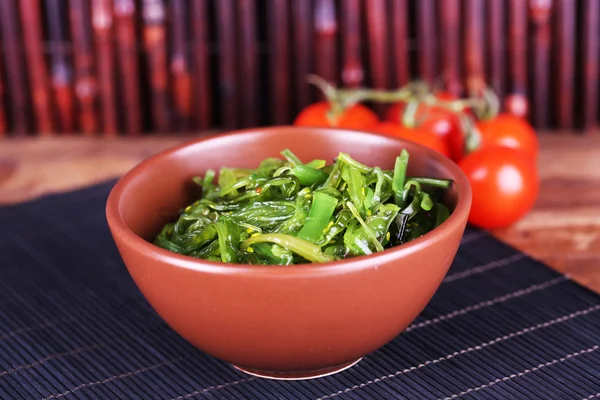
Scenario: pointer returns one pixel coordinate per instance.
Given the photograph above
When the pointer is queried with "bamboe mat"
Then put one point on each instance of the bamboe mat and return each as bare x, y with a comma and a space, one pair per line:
74, 326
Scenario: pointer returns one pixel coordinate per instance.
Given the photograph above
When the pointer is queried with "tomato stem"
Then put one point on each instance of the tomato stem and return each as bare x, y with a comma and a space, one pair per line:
332, 95
488, 105
470, 132
409, 115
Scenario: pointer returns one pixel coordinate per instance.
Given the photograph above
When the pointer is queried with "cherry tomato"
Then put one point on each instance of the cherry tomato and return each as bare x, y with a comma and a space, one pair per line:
440, 121
356, 116
507, 130
517, 105
505, 185
417, 135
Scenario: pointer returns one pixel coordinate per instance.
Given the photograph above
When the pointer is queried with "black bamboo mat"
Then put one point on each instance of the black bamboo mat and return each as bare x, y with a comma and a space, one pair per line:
74, 326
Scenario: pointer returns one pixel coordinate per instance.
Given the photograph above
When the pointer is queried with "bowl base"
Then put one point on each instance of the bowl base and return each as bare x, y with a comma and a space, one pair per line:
298, 375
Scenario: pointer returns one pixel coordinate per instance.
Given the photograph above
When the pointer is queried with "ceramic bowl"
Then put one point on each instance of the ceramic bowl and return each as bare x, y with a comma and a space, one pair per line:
285, 322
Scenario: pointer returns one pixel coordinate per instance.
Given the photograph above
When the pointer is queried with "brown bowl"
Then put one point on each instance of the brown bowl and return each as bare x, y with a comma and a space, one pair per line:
287, 322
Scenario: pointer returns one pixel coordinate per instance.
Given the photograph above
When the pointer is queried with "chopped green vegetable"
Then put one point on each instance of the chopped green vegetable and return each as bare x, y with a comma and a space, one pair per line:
320, 214
309, 176
288, 212
400, 177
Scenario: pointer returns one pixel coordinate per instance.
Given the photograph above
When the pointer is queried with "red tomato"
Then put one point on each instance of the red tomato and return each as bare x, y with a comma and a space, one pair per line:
440, 121
445, 96
417, 135
505, 185
357, 116
507, 130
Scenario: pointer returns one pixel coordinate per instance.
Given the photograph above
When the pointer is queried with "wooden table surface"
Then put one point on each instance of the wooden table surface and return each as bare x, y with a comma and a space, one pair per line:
563, 230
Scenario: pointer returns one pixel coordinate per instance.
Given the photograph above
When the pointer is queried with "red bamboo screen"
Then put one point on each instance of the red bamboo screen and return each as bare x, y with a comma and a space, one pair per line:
38, 70
83, 60
154, 17
61, 70
449, 11
103, 27
127, 67
249, 63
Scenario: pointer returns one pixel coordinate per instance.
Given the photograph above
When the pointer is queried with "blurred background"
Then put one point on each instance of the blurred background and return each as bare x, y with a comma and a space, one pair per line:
125, 67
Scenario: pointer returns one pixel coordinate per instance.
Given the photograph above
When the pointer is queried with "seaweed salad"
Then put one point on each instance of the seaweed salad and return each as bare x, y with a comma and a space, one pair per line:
289, 212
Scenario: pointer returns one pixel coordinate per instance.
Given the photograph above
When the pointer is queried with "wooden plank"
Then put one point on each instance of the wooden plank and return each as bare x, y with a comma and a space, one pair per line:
326, 30
61, 69
127, 51
590, 63
180, 68
202, 87
400, 41
450, 51
565, 47
249, 61
102, 24
37, 68
86, 92
352, 69
154, 16
279, 61
304, 51
540, 12
228, 82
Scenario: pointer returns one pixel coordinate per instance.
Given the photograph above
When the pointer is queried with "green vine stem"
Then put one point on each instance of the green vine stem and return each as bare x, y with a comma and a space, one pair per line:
485, 105
340, 99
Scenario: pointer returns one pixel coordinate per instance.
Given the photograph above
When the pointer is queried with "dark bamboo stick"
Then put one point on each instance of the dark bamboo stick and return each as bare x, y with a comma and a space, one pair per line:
3, 109
154, 16
426, 39
36, 65
3, 121
378, 46
539, 13
61, 74
249, 61
516, 102
202, 88
326, 28
16, 84
474, 36
565, 12
102, 23
496, 65
352, 69
591, 59
303, 50
450, 49
124, 11
227, 62
280, 96
85, 79
180, 66
400, 41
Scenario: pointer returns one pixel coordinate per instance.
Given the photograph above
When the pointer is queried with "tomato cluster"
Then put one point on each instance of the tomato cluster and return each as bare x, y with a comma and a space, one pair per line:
496, 151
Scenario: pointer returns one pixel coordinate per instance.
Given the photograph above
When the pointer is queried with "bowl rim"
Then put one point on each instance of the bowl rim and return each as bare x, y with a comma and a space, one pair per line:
119, 228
